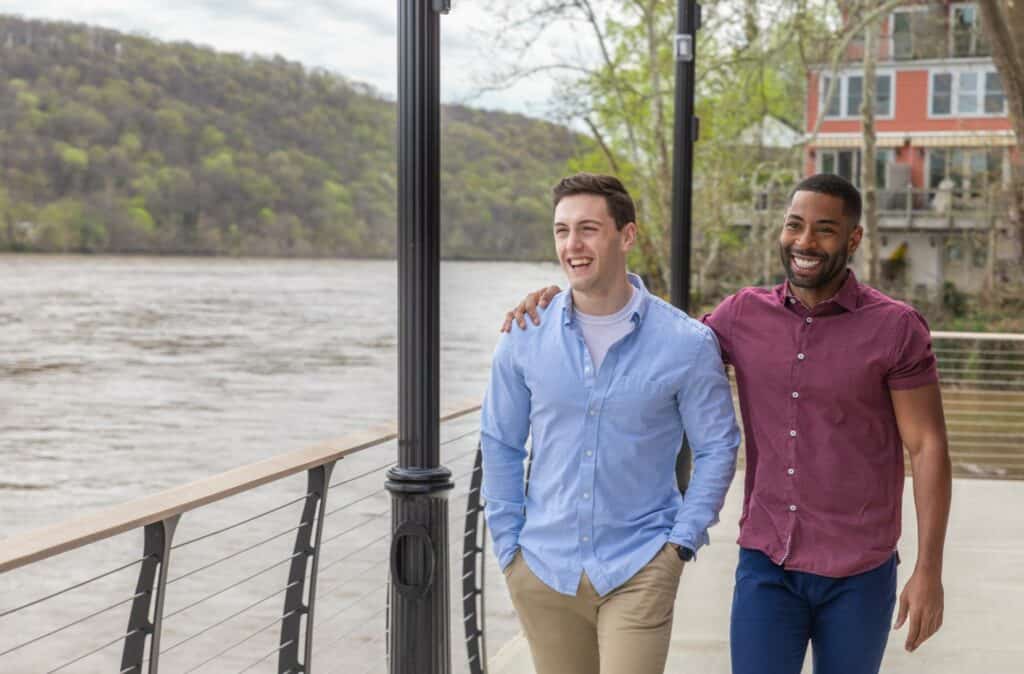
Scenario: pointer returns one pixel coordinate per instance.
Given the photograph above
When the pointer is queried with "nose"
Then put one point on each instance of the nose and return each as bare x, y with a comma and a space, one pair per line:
806, 240
575, 240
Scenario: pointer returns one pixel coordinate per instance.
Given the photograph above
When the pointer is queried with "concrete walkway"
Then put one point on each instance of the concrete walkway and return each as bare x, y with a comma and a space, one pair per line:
984, 584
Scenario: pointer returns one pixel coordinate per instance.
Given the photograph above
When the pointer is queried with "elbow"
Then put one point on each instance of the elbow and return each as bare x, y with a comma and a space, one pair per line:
933, 451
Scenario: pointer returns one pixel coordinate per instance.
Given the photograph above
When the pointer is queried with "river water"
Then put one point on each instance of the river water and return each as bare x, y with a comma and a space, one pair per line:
120, 377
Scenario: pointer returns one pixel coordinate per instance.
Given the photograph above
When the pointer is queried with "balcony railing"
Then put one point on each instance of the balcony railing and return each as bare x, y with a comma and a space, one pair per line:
909, 207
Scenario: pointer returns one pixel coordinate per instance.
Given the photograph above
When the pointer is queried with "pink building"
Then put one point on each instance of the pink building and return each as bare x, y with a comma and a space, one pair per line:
943, 145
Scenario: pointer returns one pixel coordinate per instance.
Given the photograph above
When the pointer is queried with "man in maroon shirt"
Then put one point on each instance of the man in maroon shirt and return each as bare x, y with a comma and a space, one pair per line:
834, 379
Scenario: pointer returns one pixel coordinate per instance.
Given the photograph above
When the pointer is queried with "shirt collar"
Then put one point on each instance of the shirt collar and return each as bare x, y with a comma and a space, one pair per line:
848, 295
569, 311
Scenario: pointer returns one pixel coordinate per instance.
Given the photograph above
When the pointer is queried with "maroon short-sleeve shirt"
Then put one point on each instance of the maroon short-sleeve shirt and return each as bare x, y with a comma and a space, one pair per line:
824, 458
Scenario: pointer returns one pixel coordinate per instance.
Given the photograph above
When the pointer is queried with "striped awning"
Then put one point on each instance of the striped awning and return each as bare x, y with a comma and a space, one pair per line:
919, 139
978, 139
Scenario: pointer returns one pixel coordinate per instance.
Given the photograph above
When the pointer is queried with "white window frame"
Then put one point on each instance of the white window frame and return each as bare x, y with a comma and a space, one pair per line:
843, 94
819, 160
1004, 160
977, 19
982, 72
892, 25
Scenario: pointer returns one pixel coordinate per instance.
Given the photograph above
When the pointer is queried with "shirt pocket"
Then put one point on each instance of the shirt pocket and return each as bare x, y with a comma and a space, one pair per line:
640, 397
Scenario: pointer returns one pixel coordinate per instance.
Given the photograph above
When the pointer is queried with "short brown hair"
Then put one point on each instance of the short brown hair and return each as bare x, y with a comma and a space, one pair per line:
620, 204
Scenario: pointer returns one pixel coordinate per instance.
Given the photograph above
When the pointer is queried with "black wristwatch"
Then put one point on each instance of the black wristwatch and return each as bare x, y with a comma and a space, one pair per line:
685, 553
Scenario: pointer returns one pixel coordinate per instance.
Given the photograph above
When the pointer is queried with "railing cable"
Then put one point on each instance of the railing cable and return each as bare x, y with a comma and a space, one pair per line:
9, 611
328, 619
372, 517
354, 552
238, 524
237, 553
230, 617
73, 623
242, 641
361, 625
352, 503
276, 650
93, 651
378, 469
234, 585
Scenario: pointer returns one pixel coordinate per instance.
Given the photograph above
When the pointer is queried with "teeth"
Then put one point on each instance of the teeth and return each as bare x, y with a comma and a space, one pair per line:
805, 263
579, 263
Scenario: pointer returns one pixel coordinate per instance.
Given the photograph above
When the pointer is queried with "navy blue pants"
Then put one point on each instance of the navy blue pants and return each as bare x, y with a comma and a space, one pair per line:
775, 613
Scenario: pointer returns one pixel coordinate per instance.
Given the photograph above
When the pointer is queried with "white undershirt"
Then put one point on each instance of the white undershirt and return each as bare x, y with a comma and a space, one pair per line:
600, 332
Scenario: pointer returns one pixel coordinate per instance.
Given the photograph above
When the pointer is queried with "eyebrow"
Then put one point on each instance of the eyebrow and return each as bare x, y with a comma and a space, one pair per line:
823, 221
581, 222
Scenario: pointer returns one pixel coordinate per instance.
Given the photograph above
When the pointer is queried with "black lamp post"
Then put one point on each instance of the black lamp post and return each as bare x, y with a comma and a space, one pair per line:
418, 619
685, 135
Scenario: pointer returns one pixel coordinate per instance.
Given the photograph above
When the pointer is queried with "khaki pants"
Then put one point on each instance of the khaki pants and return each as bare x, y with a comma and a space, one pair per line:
625, 632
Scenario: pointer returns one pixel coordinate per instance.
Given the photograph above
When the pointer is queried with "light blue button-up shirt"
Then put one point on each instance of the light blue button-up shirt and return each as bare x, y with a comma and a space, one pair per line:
602, 497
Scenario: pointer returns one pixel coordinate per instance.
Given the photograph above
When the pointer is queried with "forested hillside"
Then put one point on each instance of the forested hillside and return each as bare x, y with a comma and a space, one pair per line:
118, 143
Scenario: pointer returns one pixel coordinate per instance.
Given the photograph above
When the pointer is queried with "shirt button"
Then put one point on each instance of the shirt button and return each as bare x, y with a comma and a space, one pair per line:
593, 411
590, 453
587, 538
795, 394
792, 434
586, 370
586, 495
791, 472
792, 509
800, 356
809, 319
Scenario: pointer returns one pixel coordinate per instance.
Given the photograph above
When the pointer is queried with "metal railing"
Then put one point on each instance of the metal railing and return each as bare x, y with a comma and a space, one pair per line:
212, 602
982, 377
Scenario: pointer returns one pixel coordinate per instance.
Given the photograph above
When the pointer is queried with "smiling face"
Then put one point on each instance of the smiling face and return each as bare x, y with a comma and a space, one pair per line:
817, 241
591, 250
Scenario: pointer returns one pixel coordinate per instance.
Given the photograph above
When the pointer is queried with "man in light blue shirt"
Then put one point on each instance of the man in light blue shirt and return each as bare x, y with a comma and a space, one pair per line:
593, 551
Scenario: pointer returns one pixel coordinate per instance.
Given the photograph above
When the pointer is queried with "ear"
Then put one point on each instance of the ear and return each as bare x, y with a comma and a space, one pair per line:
628, 234
855, 236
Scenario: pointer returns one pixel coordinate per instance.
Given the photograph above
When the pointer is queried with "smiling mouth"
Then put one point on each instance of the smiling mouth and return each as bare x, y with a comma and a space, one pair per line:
579, 263
805, 263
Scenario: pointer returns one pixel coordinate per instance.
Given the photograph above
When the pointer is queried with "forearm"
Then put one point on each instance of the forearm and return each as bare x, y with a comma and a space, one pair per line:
706, 411
932, 477
504, 495
713, 471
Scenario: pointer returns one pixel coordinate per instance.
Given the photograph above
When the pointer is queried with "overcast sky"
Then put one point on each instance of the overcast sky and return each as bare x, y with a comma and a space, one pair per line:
355, 38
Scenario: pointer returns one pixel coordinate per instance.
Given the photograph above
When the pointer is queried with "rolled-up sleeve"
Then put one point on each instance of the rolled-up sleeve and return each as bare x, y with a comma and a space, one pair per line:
913, 362
504, 428
709, 421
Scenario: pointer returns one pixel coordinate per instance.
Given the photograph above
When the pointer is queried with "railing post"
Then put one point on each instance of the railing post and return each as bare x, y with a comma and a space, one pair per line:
307, 546
151, 586
474, 615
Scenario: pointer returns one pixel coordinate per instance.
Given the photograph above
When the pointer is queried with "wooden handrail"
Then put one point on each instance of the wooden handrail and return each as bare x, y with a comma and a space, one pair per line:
983, 336
32, 546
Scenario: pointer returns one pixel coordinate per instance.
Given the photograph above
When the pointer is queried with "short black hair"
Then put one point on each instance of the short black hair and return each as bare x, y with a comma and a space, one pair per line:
834, 186
620, 204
